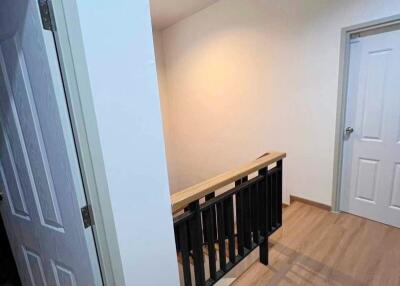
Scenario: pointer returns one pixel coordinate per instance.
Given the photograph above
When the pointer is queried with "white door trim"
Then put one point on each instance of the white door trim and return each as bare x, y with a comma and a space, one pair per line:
72, 59
342, 97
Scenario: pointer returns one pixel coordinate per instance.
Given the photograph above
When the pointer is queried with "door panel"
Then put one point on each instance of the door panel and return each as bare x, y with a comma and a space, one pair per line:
64, 276
370, 178
16, 198
372, 120
395, 193
366, 185
31, 130
35, 267
39, 169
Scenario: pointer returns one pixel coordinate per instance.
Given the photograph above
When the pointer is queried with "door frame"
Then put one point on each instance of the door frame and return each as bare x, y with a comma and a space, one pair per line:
70, 50
344, 59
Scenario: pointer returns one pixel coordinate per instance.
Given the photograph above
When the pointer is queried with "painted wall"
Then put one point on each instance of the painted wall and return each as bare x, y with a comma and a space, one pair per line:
245, 77
163, 92
122, 71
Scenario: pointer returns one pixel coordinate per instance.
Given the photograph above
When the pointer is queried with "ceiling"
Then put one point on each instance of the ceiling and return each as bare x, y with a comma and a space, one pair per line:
165, 13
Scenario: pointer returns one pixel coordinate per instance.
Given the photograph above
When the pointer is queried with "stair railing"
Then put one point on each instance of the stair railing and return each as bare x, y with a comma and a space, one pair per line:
231, 224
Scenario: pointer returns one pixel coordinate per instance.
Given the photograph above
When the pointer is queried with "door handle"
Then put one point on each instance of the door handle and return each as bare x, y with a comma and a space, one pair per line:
349, 130
1, 195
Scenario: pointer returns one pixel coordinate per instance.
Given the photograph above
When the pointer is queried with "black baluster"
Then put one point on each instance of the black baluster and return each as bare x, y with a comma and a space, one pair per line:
208, 221
239, 220
184, 248
207, 198
221, 236
177, 243
264, 215
273, 200
197, 245
254, 212
269, 203
247, 218
230, 227
280, 173
186, 209
262, 203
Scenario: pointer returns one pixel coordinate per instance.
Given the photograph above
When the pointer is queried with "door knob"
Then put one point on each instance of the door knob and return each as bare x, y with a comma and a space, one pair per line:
349, 130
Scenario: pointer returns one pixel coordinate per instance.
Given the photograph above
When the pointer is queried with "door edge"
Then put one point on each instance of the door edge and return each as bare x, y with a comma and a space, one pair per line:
69, 45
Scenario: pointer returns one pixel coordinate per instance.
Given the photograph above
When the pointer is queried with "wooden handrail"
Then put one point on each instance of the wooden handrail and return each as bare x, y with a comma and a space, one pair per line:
183, 198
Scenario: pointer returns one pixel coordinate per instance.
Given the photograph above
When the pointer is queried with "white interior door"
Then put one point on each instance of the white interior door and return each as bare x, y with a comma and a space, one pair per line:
39, 170
371, 163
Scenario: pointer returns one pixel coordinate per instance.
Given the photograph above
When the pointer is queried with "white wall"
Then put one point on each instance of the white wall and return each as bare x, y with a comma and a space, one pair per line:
164, 99
120, 57
245, 77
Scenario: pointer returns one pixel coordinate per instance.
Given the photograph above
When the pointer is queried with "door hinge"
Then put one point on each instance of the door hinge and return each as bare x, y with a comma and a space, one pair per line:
87, 216
355, 36
45, 14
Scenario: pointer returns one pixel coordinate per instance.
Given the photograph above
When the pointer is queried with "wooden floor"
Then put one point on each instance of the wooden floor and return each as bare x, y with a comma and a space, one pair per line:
317, 247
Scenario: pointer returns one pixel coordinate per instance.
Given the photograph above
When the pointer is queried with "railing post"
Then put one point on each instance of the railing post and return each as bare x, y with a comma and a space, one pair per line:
197, 243
264, 251
264, 216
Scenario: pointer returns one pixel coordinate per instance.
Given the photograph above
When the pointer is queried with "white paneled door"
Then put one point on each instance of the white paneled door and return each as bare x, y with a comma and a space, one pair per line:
371, 163
39, 171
